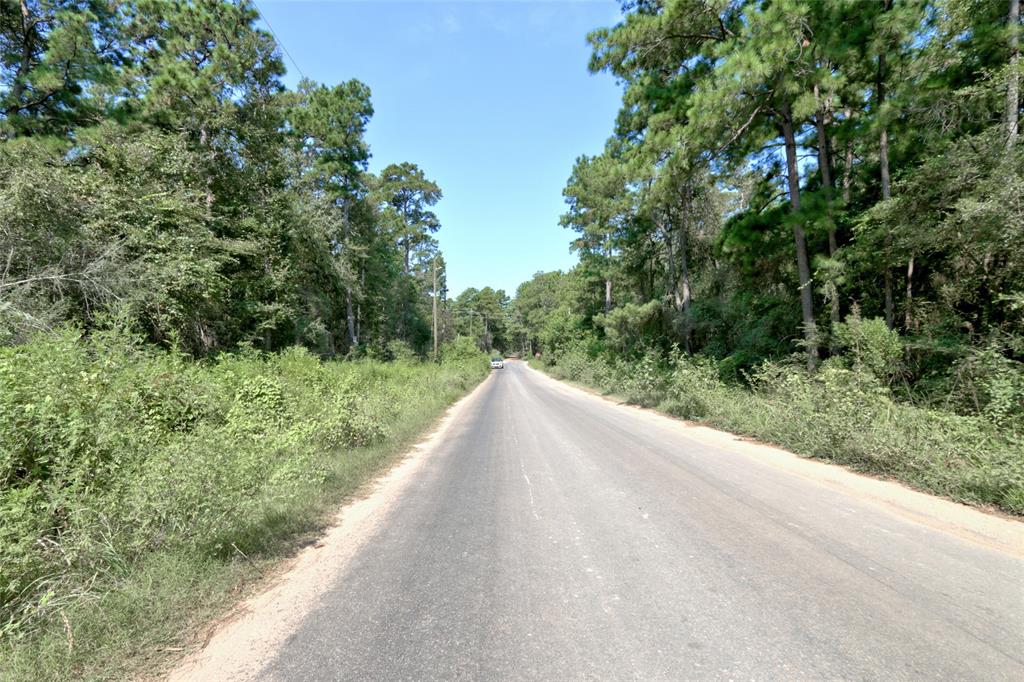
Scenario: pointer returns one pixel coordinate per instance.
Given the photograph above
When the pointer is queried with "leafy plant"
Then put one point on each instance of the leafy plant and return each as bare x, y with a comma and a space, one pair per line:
116, 456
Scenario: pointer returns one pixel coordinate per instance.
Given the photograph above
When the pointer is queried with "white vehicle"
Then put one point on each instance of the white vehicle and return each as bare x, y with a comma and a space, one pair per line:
497, 363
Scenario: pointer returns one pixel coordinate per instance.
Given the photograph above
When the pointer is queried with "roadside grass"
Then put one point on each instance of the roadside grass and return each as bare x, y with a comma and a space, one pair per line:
840, 415
142, 494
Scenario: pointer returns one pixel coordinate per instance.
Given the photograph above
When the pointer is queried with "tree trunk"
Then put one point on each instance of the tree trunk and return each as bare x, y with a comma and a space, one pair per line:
679, 278
204, 142
434, 308
887, 284
684, 282
684, 279
802, 262
350, 316
28, 28
847, 186
353, 340
883, 158
608, 279
825, 164
1013, 86
673, 285
359, 306
827, 184
883, 155
684, 268
883, 162
908, 315
824, 157
404, 308
848, 173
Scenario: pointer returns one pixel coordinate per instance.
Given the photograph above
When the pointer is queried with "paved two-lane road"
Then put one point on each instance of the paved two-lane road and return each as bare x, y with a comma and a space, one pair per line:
555, 536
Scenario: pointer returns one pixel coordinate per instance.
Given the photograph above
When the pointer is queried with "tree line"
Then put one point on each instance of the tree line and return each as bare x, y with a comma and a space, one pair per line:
154, 169
780, 166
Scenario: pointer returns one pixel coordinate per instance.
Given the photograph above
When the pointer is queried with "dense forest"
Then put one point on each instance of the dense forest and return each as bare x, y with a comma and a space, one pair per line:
154, 170
805, 182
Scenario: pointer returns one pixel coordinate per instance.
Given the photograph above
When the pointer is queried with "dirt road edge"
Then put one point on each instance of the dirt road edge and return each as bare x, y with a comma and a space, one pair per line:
992, 530
249, 638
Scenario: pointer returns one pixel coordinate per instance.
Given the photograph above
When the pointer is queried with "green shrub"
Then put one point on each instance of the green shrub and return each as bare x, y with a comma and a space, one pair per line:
462, 349
839, 413
400, 351
692, 386
871, 345
989, 383
112, 452
643, 381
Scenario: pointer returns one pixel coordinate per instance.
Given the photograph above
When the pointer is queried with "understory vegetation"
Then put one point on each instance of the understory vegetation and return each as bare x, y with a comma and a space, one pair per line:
844, 413
806, 226
138, 487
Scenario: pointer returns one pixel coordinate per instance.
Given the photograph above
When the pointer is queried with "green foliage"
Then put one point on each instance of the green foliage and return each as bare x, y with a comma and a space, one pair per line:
462, 349
113, 452
630, 326
152, 163
484, 315
693, 387
534, 303
597, 198
407, 195
41, 94
642, 381
871, 345
847, 416
876, 139
992, 384
563, 328
329, 124
400, 350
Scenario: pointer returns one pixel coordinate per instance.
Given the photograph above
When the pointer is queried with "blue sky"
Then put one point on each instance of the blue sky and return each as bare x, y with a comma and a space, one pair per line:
492, 99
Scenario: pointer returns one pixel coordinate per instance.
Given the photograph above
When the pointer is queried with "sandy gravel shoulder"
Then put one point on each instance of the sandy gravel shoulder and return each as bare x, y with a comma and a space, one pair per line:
994, 530
251, 635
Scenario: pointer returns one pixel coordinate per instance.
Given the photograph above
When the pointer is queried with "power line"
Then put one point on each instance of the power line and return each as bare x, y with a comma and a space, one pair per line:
278, 40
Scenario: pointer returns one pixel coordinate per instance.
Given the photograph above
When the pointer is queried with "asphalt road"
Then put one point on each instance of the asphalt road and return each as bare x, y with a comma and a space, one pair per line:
556, 537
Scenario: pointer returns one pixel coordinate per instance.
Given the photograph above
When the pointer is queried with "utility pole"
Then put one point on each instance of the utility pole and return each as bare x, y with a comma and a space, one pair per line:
435, 308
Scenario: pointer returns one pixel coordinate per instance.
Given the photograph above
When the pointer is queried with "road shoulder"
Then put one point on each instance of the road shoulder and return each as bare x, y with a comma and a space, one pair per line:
244, 642
989, 528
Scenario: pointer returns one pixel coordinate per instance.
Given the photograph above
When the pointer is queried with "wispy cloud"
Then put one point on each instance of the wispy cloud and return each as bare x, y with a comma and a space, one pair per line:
450, 23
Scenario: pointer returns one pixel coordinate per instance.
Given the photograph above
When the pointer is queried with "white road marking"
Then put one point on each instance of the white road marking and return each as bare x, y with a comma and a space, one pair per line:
529, 487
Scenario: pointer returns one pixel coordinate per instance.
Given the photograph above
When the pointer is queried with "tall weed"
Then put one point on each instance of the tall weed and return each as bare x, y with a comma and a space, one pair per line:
844, 414
112, 452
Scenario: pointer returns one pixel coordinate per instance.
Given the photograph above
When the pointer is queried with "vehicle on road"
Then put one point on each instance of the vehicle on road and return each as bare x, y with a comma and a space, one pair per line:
497, 363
